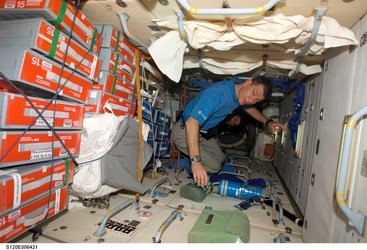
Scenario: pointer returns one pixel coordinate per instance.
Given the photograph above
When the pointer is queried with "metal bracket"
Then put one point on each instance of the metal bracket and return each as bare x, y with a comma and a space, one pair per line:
313, 177
153, 191
102, 227
319, 13
322, 114
175, 215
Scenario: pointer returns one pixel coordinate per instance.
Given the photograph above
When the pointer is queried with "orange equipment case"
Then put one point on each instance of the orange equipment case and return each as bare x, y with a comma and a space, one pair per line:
37, 73
116, 86
36, 146
57, 12
120, 106
37, 34
20, 220
23, 184
17, 113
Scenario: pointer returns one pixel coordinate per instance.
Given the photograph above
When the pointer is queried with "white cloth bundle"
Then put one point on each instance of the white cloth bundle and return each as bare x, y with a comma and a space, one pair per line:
288, 32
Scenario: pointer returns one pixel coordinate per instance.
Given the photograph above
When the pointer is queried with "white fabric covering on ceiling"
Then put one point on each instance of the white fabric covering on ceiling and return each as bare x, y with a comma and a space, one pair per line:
287, 32
225, 67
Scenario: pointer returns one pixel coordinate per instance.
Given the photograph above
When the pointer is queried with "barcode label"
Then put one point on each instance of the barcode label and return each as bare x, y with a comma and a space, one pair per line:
41, 122
41, 154
9, 6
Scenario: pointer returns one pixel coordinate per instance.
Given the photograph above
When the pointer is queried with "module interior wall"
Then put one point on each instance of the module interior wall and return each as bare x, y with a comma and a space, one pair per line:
336, 99
342, 232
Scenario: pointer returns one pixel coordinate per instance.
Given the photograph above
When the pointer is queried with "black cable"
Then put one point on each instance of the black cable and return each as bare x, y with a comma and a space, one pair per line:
39, 116
54, 113
286, 213
45, 108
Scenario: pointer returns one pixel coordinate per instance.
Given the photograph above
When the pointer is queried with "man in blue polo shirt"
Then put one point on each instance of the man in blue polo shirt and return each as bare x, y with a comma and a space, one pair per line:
209, 108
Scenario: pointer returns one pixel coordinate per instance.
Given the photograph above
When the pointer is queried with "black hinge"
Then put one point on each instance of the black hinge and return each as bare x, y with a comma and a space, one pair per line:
313, 177
363, 39
317, 146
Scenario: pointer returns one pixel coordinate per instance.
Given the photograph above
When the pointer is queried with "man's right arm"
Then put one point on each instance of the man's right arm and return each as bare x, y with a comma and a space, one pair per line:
192, 135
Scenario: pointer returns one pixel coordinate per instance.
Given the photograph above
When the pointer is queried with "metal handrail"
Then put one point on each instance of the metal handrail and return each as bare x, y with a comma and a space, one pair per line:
356, 219
229, 11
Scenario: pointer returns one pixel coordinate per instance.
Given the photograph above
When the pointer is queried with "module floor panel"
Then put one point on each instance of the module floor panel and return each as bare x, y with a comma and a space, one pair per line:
176, 183
259, 215
79, 223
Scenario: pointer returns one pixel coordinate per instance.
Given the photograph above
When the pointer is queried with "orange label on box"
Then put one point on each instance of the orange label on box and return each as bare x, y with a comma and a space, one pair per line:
119, 106
20, 220
98, 87
19, 113
90, 65
126, 49
126, 77
22, 4
112, 61
118, 87
122, 89
37, 146
113, 41
39, 72
91, 108
83, 29
124, 65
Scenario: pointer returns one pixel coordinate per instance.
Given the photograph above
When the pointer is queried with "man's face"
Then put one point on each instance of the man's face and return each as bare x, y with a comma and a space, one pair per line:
250, 93
234, 121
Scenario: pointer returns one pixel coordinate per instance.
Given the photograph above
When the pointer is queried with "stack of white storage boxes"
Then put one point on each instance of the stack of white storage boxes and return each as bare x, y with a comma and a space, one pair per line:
116, 80
32, 186
160, 129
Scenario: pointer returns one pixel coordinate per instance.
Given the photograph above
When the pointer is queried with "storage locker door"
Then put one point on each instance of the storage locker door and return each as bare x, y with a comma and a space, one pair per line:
310, 114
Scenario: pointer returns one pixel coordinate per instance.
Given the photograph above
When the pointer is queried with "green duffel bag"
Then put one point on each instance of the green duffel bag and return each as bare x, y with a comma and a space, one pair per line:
220, 227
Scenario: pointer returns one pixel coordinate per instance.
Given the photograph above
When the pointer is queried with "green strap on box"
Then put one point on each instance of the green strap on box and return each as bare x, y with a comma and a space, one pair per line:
113, 85
62, 11
54, 42
220, 227
115, 67
93, 39
67, 168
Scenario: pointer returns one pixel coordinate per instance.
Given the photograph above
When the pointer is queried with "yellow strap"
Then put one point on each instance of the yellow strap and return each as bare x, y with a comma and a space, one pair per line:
339, 194
351, 123
193, 10
340, 201
140, 119
263, 8
352, 120
257, 10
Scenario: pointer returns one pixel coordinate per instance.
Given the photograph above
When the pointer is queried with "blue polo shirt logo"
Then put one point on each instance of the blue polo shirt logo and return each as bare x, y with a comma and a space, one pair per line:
202, 115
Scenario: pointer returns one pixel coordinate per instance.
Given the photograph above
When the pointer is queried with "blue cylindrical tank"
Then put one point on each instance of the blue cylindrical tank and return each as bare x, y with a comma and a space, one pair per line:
238, 190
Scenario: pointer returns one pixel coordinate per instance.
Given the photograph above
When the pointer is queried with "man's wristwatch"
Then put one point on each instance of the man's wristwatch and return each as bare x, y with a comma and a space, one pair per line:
196, 158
